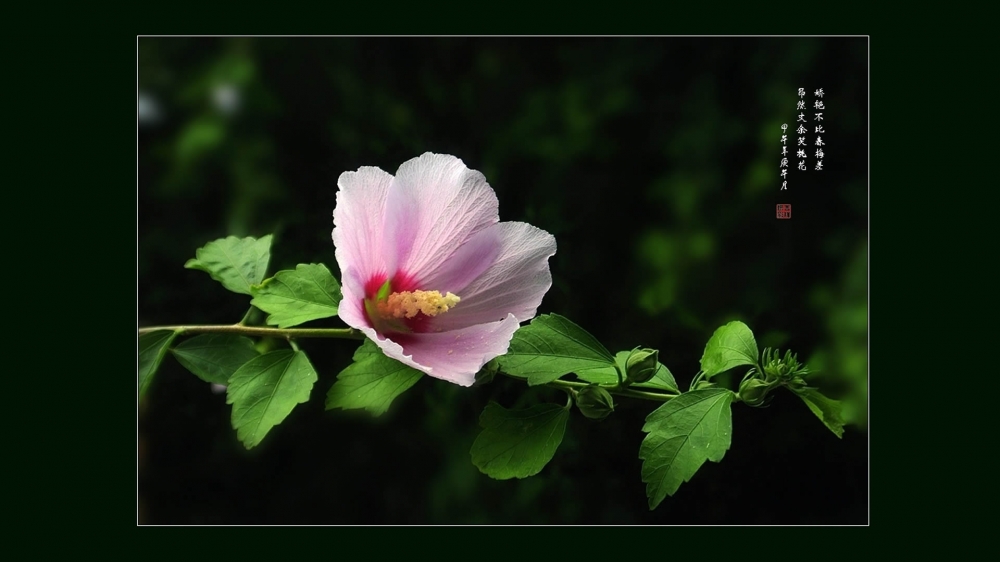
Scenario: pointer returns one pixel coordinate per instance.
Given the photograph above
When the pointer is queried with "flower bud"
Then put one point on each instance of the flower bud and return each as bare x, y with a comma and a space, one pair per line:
641, 364
595, 402
753, 391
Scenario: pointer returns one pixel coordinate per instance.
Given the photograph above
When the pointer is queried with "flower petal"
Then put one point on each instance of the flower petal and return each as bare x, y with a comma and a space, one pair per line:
359, 220
514, 283
454, 356
467, 263
434, 205
351, 308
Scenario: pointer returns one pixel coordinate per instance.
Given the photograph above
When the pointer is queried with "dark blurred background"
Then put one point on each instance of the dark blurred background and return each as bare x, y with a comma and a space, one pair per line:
654, 162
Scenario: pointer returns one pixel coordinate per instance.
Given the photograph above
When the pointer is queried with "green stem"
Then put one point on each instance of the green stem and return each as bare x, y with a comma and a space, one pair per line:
570, 397
613, 389
247, 316
352, 334
658, 396
343, 333
697, 378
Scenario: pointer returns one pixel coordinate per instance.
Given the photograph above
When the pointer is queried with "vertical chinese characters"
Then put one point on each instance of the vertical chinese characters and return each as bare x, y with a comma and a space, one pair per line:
819, 106
800, 143
783, 163
802, 131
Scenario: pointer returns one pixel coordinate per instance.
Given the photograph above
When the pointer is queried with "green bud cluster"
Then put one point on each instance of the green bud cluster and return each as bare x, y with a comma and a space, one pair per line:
778, 371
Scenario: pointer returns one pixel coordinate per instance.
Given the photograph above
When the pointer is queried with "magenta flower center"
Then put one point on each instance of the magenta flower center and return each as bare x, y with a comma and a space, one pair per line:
398, 306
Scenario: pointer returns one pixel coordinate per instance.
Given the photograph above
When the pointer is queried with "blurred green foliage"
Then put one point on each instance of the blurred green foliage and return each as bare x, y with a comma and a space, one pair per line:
654, 162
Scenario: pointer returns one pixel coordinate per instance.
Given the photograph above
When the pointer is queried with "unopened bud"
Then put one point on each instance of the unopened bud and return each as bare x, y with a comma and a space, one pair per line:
753, 391
641, 364
595, 402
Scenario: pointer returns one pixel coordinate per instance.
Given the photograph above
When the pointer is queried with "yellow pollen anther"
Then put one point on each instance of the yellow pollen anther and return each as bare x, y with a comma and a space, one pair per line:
408, 303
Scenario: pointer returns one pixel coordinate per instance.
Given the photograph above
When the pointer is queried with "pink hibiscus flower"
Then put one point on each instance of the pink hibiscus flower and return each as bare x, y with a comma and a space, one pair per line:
429, 272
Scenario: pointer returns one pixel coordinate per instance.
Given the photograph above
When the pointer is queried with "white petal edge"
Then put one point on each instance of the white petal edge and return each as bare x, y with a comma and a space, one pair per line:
351, 308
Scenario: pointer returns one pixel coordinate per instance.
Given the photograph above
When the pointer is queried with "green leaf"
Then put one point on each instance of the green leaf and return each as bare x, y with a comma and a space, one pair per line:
550, 347
372, 382
518, 443
731, 345
598, 375
828, 410
682, 434
152, 347
265, 389
236, 263
291, 297
662, 380
215, 357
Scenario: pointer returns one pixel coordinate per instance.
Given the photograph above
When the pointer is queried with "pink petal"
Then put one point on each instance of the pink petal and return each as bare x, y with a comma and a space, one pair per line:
514, 283
467, 263
436, 225
434, 205
454, 356
359, 220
